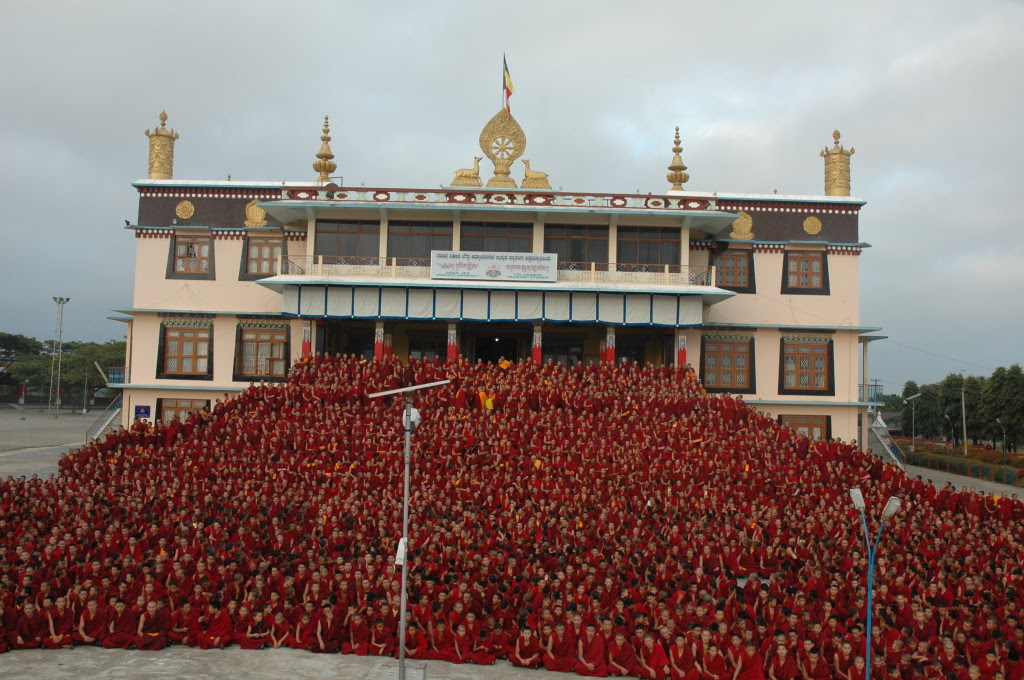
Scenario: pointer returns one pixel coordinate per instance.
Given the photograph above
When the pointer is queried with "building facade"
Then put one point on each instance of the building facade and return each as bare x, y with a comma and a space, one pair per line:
235, 281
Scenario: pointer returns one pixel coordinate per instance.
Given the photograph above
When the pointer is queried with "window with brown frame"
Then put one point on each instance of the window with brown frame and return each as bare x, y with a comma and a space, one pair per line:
734, 270
810, 426
727, 364
806, 367
805, 272
169, 409
185, 352
261, 353
577, 244
262, 256
497, 237
640, 248
408, 240
192, 254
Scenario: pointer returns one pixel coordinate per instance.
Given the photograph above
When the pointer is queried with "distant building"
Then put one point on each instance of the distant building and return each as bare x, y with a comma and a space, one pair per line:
235, 281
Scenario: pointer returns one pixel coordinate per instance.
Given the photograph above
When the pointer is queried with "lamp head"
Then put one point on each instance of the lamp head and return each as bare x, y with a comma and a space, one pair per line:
892, 506
858, 498
410, 418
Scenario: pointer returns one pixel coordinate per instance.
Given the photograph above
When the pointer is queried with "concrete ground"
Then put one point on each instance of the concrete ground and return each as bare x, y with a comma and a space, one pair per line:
31, 443
236, 664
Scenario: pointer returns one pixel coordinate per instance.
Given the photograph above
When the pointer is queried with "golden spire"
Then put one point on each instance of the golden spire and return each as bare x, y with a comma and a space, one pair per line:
161, 150
678, 177
837, 168
325, 166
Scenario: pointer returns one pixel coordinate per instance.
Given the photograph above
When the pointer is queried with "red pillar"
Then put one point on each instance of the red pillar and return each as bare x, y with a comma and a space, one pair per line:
387, 345
307, 338
609, 344
453, 342
680, 348
537, 350
378, 341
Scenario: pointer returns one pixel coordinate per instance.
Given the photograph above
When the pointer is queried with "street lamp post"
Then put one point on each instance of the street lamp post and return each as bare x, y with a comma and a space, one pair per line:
58, 350
913, 420
410, 419
892, 506
1004, 439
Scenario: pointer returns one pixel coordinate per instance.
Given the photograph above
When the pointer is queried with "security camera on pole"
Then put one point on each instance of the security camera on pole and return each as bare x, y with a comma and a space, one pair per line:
410, 420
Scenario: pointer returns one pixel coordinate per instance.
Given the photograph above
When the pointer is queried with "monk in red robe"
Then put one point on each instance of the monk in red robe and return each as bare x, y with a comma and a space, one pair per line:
152, 630
560, 651
121, 629
653, 659
30, 629
92, 625
61, 624
527, 652
622, 659
218, 632
590, 654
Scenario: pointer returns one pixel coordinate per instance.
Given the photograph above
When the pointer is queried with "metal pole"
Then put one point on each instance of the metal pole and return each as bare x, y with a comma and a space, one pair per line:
913, 426
871, 578
963, 408
405, 536
61, 301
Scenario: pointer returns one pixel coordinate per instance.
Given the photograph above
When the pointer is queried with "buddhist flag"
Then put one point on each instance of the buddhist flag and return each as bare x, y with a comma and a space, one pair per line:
506, 83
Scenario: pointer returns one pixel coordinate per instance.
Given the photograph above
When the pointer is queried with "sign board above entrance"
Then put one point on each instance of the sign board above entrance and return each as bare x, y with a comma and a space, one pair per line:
470, 265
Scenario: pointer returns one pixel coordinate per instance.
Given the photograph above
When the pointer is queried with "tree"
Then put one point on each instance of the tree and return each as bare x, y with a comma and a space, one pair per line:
908, 418
81, 359
929, 413
18, 344
1002, 397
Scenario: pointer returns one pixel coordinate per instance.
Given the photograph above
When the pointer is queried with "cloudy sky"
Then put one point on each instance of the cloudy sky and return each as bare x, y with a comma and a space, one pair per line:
929, 93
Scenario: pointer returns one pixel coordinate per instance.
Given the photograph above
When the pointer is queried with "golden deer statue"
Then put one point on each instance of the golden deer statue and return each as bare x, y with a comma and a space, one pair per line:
534, 179
468, 177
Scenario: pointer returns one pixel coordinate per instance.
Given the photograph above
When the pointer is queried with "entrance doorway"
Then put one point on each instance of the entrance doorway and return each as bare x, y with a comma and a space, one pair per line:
492, 349
337, 338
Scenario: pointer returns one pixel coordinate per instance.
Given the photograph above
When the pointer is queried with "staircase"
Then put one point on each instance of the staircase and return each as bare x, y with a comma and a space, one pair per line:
881, 442
106, 420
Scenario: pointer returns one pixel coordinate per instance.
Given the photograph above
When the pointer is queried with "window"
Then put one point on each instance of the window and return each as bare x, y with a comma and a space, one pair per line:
805, 272
428, 345
261, 353
191, 257
810, 426
497, 237
577, 244
185, 353
261, 256
728, 364
415, 240
347, 238
169, 409
641, 248
806, 366
734, 270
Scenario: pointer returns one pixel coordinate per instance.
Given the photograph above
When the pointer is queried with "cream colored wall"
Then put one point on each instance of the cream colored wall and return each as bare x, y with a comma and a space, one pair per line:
769, 306
146, 340
226, 293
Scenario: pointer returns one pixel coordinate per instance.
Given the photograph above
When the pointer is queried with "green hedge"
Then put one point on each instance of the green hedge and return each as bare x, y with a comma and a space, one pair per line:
1003, 474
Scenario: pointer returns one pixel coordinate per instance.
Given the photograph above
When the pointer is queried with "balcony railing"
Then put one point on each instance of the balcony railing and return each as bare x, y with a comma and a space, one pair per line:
329, 266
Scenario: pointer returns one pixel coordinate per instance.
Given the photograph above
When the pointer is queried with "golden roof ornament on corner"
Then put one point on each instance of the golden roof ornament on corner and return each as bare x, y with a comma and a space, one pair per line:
161, 150
324, 166
677, 175
837, 167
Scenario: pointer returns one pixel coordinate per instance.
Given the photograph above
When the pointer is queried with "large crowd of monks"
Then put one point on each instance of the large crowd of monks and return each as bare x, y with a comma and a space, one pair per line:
603, 520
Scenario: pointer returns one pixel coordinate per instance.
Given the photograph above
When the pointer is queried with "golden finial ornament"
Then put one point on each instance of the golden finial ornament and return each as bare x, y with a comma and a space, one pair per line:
837, 168
502, 141
678, 175
325, 165
161, 150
